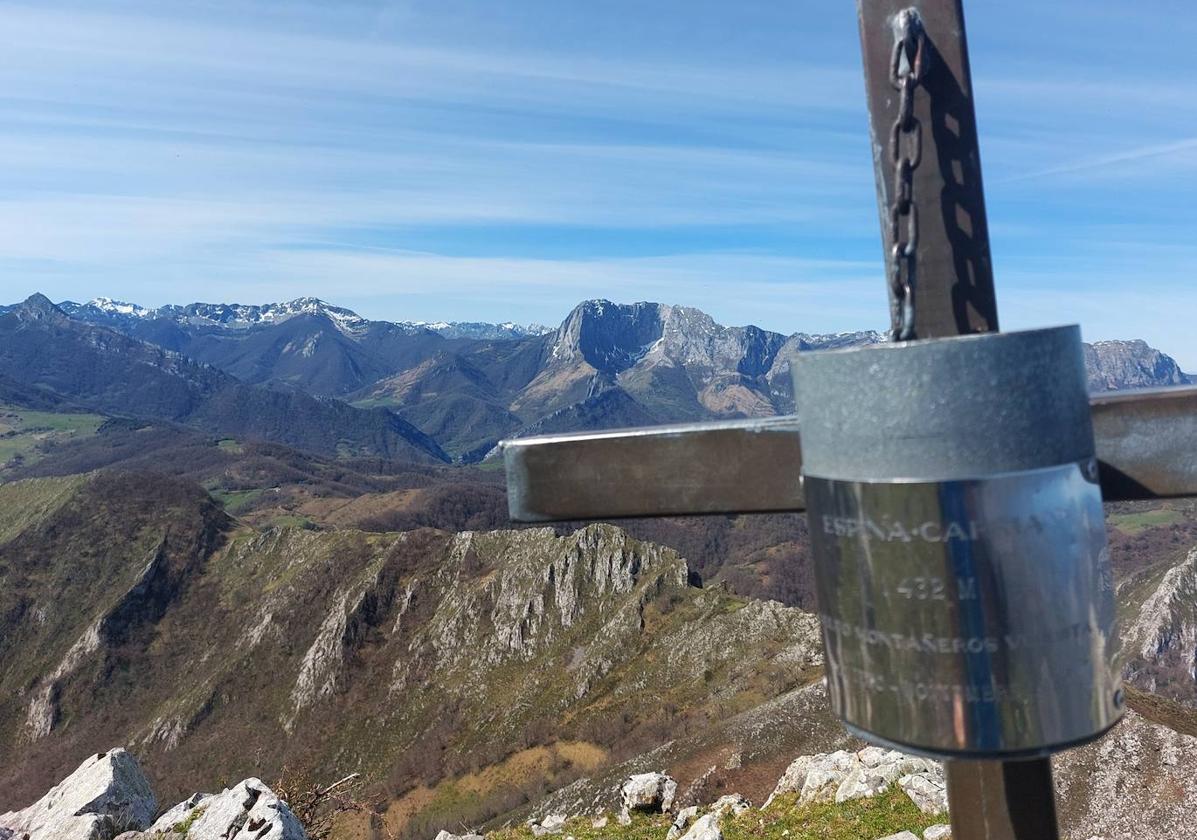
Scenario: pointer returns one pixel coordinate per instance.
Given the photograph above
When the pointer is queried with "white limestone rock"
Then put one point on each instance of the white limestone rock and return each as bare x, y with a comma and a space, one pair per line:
866, 782
733, 802
926, 790
706, 827
247, 811
877, 756
106, 796
552, 824
821, 785
649, 792
445, 835
938, 832
178, 813
842, 776
710, 825
681, 822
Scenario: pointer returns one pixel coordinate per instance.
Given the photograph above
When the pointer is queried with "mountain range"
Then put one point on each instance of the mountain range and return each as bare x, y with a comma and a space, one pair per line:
233, 539
474, 677
322, 377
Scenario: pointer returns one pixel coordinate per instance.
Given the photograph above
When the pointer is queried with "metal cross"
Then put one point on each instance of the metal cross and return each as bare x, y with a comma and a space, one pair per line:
940, 280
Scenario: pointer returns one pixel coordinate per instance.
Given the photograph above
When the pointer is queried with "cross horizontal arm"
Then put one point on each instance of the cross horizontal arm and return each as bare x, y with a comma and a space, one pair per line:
1146, 442
724, 467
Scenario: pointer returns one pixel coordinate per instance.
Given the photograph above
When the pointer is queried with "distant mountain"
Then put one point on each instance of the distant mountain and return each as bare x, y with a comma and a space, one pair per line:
469, 384
478, 330
231, 316
1130, 364
43, 349
237, 316
304, 344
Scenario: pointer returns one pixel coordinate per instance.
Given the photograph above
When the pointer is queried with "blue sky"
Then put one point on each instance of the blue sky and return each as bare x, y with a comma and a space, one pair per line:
491, 160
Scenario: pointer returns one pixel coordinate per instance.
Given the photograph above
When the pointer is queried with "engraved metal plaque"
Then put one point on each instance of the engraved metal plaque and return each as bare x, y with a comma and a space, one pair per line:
968, 616
963, 579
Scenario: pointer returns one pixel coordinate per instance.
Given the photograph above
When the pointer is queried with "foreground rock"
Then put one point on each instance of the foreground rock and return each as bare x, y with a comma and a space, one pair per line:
1137, 783
551, 824
106, 796
248, 811
710, 825
841, 776
648, 792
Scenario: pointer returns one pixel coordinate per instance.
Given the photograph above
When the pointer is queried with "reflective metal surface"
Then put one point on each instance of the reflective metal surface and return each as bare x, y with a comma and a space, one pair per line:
1146, 443
968, 617
748, 465
961, 407
959, 542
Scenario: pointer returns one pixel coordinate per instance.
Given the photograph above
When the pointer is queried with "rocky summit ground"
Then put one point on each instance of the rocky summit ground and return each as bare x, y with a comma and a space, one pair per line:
1137, 782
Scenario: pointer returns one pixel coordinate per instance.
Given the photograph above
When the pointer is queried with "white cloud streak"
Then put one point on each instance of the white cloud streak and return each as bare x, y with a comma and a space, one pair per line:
262, 151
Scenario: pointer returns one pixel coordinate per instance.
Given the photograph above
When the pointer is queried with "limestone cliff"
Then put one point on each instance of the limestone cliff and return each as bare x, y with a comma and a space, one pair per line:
217, 651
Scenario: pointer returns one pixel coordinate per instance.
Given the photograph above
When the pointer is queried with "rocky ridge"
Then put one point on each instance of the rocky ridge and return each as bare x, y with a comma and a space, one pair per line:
226, 316
411, 657
109, 372
237, 317
1158, 610
468, 385
1134, 782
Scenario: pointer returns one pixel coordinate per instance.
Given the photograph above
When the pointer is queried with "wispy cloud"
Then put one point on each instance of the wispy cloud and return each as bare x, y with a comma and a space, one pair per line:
476, 160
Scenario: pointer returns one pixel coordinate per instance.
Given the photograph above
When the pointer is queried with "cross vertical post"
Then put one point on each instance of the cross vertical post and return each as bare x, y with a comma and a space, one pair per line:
932, 141
940, 281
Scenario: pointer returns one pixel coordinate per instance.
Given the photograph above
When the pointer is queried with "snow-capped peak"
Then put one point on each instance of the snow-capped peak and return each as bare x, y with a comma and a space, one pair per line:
119, 307
480, 330
239, 316
244, 316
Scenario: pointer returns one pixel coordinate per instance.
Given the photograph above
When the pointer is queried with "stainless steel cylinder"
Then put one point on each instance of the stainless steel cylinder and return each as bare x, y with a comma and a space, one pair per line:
963, 579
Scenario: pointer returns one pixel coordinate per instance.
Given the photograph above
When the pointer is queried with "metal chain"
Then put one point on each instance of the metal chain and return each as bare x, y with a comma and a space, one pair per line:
906, 70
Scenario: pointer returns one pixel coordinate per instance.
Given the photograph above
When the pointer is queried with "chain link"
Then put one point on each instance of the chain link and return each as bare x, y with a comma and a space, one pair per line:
906, 70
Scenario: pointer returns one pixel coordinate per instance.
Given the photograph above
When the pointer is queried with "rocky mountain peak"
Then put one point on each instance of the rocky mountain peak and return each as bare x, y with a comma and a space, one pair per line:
241, 316
37, 307
1130, 364
119, 307
611, 337
614, 337
481, 330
